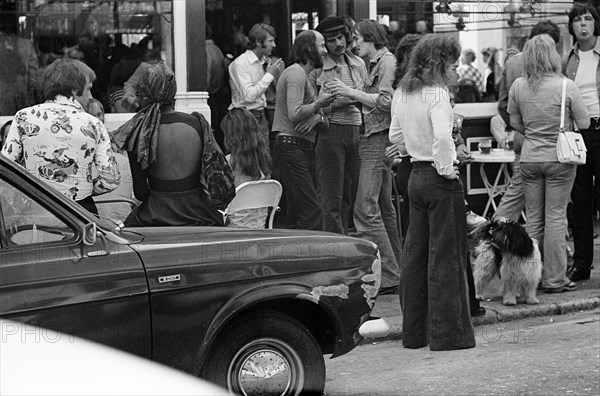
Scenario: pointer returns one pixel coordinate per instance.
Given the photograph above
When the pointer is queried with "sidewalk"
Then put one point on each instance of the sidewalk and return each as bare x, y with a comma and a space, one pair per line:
586, 297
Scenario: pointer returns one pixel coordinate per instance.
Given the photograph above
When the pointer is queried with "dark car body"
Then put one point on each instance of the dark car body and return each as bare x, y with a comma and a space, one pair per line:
167, 293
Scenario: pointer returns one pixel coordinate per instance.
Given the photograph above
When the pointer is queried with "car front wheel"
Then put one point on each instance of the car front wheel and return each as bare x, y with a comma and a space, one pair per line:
267, 354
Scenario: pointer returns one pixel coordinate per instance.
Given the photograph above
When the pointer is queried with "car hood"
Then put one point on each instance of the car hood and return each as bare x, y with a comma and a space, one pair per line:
189, 256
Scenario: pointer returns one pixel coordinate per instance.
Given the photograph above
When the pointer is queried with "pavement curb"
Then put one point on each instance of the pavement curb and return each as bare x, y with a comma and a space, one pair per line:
493, 316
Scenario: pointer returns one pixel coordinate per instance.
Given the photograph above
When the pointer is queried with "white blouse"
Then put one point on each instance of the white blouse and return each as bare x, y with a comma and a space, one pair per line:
422, 127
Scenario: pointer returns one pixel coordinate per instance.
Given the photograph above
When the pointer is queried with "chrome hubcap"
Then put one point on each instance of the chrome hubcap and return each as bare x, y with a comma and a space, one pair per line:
266, 367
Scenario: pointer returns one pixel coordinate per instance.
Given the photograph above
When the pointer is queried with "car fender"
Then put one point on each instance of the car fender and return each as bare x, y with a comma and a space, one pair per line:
240, 303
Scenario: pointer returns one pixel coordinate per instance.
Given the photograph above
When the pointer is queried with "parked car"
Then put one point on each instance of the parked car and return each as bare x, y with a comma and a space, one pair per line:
250, 310
37, 361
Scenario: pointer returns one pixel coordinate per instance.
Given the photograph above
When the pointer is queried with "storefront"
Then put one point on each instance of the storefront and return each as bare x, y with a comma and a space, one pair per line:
33, 33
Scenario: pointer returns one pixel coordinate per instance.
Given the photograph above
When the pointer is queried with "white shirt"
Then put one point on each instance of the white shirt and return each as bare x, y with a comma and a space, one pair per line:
248, 81
586, 81
422, 127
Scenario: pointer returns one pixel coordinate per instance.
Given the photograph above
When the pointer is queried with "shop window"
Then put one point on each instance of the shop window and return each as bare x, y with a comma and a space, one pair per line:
112, 37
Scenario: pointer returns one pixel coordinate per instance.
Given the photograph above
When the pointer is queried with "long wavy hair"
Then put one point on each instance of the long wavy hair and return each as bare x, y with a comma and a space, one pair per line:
249, 150
540, 58
403, 51
429, 61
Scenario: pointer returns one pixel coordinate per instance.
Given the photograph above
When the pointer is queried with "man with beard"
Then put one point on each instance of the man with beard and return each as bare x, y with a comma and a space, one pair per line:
297, 113
251, 73
374, 214
582, 65
337, 159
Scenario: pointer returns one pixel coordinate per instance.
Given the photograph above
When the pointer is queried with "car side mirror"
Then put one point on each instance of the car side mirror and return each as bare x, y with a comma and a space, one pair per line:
89, 234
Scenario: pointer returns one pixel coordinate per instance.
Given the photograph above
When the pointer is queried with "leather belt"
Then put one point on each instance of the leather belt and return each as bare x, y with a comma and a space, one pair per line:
594, 124
295, 141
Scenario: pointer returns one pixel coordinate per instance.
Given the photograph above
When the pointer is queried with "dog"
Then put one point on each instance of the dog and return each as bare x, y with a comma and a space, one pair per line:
505, 250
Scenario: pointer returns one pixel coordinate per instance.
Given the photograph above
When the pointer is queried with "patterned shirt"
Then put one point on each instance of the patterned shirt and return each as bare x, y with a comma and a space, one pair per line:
60, 143
470, 72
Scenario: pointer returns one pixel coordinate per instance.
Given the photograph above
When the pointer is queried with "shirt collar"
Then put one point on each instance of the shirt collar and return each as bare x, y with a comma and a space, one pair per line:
379, 54
252, 58
596, 48
351, 59
63, 100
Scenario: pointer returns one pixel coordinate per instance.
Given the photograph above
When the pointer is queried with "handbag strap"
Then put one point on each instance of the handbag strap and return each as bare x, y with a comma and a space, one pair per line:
562, 105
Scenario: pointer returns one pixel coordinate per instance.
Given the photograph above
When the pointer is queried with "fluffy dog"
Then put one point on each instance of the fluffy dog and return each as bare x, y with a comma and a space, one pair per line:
505, 250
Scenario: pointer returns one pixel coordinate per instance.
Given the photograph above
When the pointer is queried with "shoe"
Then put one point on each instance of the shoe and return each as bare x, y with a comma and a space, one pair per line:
388, 290
571, 286
478, 312
578, 274
474, 220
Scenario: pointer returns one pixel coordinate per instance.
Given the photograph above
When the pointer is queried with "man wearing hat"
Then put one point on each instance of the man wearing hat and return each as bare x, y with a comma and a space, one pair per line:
337, 157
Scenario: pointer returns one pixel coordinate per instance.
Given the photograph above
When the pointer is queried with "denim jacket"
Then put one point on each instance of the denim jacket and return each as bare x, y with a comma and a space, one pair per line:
358, 72
379, 81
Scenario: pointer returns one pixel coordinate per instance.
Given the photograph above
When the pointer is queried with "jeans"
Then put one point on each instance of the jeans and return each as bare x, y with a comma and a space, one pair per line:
513, 200
292, 167
374, 214
338, 166
263, 123
583, 201
433, 286
547, 186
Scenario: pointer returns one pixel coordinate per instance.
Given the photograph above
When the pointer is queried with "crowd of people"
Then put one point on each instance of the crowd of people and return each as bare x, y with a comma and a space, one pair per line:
338, 116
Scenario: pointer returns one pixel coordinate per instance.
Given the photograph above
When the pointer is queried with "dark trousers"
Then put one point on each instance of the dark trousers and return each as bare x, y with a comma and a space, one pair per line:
293, 167
402, 176
433, 286
582, 195
338, 167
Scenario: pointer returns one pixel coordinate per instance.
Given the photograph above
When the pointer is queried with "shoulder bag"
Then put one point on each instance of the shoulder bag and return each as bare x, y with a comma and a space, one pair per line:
570, 147
217, 176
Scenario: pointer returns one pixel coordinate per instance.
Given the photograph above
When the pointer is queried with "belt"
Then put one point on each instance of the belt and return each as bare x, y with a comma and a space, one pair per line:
186, 184
295, 141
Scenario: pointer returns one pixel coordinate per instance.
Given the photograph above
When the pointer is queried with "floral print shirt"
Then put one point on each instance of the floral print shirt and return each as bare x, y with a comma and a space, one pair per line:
60, 143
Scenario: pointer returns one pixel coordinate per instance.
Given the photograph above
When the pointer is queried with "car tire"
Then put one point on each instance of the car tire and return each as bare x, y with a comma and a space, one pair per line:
267, 353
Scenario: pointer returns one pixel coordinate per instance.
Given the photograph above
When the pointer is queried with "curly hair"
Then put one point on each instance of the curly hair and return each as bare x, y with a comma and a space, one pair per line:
429, 61
403, 50
249, 150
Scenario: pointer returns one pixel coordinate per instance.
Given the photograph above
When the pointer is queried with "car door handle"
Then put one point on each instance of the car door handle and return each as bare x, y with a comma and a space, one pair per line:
97, 253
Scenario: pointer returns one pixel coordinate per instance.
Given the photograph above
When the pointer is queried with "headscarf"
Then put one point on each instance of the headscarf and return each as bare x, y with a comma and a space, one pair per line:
139, 135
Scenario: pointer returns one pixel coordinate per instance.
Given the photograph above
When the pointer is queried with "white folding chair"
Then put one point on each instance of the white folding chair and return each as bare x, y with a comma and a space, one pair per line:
254, 195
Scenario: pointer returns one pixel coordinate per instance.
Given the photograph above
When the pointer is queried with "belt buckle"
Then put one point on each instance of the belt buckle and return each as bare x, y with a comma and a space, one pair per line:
596, 123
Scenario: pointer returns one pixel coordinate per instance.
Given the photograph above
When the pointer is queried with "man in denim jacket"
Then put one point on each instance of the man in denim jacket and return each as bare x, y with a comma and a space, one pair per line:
337, 158
374, 215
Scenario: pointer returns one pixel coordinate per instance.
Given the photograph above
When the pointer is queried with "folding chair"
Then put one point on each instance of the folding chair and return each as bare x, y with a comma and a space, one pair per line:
255, 195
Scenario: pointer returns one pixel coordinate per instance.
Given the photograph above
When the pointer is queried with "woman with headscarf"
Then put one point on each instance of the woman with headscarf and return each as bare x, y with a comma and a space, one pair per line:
165, 149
